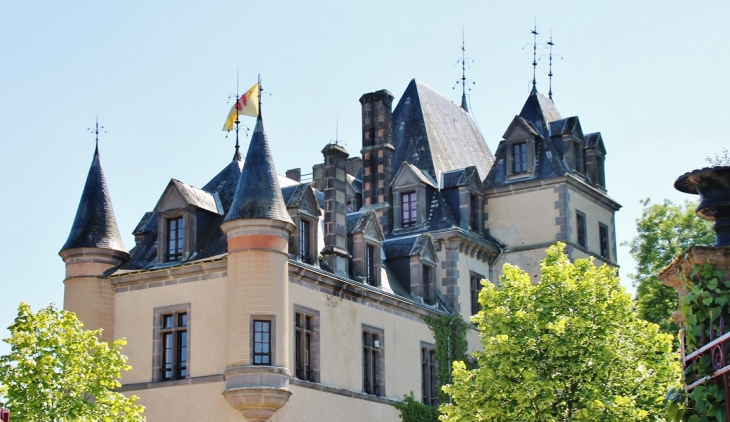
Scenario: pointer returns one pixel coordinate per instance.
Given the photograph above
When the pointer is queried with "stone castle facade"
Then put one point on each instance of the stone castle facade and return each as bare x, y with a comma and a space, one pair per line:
260, 297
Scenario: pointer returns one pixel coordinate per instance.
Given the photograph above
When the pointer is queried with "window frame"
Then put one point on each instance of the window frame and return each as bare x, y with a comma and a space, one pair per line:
412, 220
371, 267
474, 212
580, 229
529, 141
603, 237
179, 250
524, 158
272, 340
429, 375
312, 353
158, 349
474, 288
373, 365
305, 240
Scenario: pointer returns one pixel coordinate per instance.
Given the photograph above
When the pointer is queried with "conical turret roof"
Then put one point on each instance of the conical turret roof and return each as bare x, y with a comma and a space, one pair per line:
95, 225
258, 195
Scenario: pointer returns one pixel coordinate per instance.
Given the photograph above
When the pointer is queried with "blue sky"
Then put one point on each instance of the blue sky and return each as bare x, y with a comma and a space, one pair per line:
649, 75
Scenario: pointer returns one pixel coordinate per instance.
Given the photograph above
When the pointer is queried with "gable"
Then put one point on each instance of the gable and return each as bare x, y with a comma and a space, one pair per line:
519, 128
368, 225
170, 200
425, 248
179, 195
305, 200
409, 175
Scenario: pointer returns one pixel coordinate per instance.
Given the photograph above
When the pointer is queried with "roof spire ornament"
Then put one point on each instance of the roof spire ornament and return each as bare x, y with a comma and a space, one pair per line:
550, 56
534, 54
464, 65
96, 129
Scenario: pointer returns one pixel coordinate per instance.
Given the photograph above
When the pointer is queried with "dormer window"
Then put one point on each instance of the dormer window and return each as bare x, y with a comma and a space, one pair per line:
370, 265
409, 208
519, 158
175, 239
600, 171
474, 212
305, 246
427, 283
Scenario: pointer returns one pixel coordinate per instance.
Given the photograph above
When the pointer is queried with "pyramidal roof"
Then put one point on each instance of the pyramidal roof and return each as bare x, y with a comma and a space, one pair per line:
258, 194
539, 111
95, 225
435, 134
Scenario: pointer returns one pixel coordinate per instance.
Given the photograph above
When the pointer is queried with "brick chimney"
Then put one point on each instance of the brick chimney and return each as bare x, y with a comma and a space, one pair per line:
333, 185
377, 154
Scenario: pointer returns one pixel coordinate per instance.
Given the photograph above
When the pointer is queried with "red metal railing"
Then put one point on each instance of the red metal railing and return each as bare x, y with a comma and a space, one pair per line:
717, 349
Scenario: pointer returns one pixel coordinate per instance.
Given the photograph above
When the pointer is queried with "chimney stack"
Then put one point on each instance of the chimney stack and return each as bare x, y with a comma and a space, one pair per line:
333, 185
377, 154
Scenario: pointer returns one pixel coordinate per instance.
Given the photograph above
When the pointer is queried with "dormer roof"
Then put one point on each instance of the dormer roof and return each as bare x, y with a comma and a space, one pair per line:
258, 194
95, 225
408, 174
436, 135
302, 197
365, 222
179, 195
595, 140
462, 177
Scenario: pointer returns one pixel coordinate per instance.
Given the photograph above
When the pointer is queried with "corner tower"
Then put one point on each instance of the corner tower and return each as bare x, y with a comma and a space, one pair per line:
93, 247
258, 227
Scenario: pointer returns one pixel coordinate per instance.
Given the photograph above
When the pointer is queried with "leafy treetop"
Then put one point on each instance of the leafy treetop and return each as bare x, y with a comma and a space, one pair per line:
664, 231
57, 371
569, 348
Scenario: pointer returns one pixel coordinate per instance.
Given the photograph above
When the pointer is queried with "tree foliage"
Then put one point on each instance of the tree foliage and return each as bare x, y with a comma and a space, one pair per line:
569, 348
57, 371
412, 410
664, 231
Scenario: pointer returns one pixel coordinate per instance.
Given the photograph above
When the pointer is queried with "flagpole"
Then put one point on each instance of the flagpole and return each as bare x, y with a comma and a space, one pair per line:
259, 116
238, 121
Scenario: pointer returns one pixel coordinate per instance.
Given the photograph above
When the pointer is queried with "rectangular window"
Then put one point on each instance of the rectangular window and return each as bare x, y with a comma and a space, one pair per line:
580, 223
426, 283
174, 336
603, 235
372, 366
175, 230
429, 373
304, 241
370, 265
261, 342
305, 345
475, 288
409, 209
519, 158
474, 212
600, 171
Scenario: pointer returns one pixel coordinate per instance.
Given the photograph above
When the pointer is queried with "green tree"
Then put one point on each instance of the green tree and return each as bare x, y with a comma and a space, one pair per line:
569, 348
663, 232
57, 371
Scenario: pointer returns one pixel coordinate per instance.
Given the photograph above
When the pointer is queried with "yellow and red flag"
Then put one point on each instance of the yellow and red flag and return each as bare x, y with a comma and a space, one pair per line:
247, 105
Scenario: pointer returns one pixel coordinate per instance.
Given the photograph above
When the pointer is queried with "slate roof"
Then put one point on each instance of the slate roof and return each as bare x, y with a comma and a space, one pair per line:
196, 197
460, 177
539, 111
436, 135
258, 195
542, 116
95, 225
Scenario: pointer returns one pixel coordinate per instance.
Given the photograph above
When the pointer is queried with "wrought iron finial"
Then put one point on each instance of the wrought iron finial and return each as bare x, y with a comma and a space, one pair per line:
550, 57
464, 82
96, 130
534, 53
337, 140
